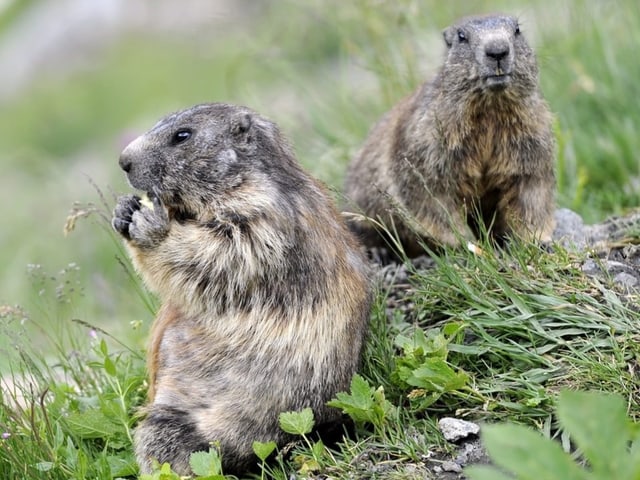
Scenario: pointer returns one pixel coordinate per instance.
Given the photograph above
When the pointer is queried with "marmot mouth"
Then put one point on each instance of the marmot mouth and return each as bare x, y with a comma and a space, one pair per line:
498, 81
152, 200
174, 212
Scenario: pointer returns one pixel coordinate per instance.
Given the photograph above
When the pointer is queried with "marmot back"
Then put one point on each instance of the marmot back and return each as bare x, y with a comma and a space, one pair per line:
265, 294
473, 145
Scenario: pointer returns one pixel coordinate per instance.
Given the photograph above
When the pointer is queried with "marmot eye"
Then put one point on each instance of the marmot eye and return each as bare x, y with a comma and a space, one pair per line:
180, 136
517, 31
461, 36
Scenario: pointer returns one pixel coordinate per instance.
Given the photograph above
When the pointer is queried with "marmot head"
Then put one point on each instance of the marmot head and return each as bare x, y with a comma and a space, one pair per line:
489, 53
199, 158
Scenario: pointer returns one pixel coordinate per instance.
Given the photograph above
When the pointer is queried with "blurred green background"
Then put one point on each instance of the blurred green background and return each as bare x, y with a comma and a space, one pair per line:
80, 78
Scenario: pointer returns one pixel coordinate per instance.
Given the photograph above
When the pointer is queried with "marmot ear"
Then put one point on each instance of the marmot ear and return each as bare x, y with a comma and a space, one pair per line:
448, 34
241, 124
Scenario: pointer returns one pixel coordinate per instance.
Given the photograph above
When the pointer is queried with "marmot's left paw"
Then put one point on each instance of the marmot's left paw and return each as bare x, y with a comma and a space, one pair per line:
143, 226
123, 213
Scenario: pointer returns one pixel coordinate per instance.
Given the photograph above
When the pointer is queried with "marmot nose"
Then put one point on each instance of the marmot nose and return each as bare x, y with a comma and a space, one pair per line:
125, 162
496, 50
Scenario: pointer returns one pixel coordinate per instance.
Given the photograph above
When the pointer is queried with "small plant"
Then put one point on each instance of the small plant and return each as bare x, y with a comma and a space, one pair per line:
263, 450
605, 437
301, 423
204, 465
423, 365
207, 465
364, 404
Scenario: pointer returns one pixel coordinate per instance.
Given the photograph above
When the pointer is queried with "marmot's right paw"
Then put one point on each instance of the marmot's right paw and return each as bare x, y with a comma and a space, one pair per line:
123, 213
141, 225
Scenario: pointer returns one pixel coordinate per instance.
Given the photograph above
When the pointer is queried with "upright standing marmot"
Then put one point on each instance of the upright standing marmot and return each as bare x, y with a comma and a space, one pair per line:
474, 143
265, 297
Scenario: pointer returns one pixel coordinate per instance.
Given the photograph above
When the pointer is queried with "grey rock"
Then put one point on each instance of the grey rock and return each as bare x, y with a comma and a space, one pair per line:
570, 230
590, 267
472, 452
451, 467
627, 281
454, 429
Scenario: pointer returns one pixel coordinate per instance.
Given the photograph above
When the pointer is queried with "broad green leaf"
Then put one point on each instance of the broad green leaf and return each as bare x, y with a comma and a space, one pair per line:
364, 403
91, 424
436, 375
432, 344
263, 450
485, 472
598, 424
206, 464
109, 366
634, 459
358, 403
529, 455
122, 466
297, 423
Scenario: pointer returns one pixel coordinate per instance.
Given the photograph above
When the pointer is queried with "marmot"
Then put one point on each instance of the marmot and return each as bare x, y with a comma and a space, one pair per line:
265, 292
474, 144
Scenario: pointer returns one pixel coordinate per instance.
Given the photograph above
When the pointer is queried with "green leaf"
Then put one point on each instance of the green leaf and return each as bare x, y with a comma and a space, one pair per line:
103, 348
363, 403
91, 424
206, 464
527, 454
433, 344
297, 423
122, 465
485, 472
263, 450
318, 450
634, 457
435, 375
598, 424
109, 366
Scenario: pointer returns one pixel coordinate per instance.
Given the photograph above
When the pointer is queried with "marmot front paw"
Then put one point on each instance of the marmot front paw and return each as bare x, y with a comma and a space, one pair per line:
146, 227
123, 213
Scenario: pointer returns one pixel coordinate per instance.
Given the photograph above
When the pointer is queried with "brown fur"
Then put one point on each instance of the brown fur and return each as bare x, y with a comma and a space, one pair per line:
473, 145
265, 293
165, 317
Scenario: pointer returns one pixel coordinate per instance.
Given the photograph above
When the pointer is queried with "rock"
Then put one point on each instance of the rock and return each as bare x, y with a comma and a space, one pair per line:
454, 429
570, 230
625, 280
590, 267
472, 452
451, 467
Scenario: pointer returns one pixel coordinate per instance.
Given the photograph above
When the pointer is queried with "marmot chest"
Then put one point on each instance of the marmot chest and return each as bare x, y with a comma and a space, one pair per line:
485, 161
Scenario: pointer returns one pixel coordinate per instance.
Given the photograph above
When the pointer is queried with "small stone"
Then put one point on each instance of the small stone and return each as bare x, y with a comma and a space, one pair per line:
451, 467
454, 429
590, 267
626, 280
613, 265
570, 229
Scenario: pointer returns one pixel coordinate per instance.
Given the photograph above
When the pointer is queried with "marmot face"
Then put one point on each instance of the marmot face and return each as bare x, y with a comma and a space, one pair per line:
490, 54
192, 160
